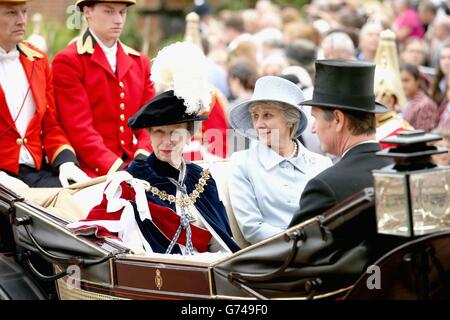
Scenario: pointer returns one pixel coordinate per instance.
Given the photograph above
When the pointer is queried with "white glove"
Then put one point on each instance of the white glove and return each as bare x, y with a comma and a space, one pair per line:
11, 182
69, 171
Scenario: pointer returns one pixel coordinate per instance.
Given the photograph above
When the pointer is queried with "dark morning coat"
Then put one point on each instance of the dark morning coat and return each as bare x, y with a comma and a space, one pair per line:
350, 175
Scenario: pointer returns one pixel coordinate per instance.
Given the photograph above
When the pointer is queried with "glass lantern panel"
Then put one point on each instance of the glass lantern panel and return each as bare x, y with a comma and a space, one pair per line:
430, 199
391, 204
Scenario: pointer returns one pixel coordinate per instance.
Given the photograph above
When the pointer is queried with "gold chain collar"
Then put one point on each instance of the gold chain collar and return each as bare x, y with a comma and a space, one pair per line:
187, 200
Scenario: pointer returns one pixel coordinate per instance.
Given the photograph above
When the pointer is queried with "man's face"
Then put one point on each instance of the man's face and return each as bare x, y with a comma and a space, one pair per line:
371, 39
440, 30
325, 130
106, 20
414, 53
13, 22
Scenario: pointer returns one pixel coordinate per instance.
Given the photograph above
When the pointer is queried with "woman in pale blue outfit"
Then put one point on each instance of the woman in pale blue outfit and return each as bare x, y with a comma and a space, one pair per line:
268, 179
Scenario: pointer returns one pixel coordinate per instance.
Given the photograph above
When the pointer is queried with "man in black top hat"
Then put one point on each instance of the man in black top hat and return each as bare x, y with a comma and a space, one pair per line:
344, 108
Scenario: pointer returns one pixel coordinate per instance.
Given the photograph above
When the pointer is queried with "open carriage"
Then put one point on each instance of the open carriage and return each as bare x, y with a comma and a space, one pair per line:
321, 258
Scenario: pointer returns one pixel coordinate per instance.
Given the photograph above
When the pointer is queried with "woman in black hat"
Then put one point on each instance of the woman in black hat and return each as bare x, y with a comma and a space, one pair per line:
187, 190
184, 203
179, 211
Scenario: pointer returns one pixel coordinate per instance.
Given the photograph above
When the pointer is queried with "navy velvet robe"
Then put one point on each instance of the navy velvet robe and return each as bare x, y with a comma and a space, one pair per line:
156, 172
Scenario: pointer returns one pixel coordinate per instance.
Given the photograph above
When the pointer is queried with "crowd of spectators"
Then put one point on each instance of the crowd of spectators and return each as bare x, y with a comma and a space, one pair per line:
284, 41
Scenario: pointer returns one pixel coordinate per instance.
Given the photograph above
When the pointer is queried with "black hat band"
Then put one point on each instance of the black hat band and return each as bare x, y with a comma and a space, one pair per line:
342, 100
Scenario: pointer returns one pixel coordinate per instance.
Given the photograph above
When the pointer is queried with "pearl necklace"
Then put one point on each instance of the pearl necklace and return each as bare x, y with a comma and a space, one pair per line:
294, 152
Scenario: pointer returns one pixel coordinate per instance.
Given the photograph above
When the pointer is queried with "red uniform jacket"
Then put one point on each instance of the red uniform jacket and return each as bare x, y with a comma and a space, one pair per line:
44, 135
94, 103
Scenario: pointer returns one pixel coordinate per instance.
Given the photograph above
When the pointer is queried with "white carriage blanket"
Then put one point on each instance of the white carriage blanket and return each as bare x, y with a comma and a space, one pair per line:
127, 227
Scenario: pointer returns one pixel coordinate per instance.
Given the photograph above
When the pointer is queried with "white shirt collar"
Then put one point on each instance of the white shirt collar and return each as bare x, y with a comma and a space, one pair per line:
105, 48
110, 53
11, 55
19, 100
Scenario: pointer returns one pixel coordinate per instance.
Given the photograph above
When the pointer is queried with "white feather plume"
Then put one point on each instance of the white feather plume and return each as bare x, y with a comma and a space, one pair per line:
182, 67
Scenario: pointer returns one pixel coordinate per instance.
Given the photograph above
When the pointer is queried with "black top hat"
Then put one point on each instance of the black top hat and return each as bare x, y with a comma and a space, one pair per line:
164, 109
345, 85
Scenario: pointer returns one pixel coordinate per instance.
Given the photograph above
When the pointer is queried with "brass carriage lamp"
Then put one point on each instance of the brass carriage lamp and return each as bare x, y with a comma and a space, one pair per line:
413, 194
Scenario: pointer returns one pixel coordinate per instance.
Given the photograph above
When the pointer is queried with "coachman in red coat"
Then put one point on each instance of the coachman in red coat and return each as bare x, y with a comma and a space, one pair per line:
95, 101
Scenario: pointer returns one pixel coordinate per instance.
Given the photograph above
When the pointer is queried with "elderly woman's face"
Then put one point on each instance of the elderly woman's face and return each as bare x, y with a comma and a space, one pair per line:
168, 142
270, 124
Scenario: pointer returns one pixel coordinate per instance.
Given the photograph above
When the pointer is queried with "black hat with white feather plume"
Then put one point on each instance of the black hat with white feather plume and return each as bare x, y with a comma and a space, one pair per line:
188, 93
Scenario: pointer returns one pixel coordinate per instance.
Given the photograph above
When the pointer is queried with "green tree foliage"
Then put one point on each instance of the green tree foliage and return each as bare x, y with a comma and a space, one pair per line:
132, 32
56, 34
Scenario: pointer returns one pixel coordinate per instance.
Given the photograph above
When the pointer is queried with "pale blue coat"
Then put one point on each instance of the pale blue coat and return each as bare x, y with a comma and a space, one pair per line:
265, 188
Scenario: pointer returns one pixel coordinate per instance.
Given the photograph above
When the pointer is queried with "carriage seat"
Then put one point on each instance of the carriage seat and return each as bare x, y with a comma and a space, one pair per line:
220, 171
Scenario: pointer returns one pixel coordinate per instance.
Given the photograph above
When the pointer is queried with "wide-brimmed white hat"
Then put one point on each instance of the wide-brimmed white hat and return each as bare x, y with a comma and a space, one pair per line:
267, 89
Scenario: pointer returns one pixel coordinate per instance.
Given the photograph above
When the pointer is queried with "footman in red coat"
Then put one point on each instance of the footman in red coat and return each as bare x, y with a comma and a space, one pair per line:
100, 83
34, 148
